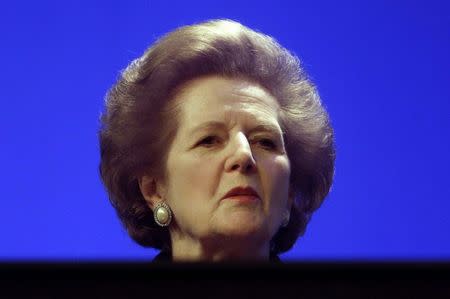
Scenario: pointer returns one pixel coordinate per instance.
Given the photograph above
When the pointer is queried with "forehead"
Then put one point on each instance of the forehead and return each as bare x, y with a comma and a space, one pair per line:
215, 98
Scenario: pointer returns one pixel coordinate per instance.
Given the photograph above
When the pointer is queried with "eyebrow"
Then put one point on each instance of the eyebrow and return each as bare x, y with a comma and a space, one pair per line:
267, 127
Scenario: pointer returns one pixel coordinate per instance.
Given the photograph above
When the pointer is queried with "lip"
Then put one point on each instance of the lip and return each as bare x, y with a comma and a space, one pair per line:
242, 193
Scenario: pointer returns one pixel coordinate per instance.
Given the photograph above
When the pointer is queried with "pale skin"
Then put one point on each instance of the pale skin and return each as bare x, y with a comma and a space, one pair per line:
243, 147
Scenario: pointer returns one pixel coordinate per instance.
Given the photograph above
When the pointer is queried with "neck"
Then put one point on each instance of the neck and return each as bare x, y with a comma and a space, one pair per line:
219, 249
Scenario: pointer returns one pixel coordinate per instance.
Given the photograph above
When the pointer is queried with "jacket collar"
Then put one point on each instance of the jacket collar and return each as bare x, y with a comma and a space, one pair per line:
166, 256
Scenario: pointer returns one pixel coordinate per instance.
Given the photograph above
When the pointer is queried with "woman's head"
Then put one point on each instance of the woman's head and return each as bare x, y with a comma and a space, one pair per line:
270, 132
228, 136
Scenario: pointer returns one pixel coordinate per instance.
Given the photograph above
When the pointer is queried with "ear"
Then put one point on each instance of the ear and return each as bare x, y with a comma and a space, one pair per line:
151, 190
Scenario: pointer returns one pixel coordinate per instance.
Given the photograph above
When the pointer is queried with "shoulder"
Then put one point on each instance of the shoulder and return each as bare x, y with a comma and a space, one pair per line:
163, 256
166, 256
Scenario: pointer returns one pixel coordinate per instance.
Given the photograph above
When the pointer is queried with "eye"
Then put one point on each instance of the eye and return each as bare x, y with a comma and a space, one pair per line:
267, 143
208, 141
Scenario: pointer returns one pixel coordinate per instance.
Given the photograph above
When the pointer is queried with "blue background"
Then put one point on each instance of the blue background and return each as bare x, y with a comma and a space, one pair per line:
382, 69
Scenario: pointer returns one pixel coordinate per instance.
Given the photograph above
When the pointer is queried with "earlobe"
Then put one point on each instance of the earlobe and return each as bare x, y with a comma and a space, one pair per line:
148, 187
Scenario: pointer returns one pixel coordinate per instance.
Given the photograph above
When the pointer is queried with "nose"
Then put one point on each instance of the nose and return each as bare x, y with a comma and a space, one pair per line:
241, 157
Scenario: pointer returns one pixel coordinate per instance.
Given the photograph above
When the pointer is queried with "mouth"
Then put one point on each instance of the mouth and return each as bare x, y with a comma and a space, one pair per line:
242, 194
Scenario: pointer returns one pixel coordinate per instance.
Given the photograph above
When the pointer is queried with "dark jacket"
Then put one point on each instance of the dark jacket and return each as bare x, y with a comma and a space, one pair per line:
166, 256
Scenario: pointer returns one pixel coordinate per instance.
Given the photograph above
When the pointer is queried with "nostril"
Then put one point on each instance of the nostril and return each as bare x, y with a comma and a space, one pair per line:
246, 165
249, 166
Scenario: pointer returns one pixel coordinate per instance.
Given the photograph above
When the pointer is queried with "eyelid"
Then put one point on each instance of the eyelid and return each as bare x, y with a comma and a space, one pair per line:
275, 138
215, 137
202, 139
271, 140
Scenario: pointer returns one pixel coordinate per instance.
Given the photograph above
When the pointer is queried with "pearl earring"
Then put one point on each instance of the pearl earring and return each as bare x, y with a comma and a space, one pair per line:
162, 214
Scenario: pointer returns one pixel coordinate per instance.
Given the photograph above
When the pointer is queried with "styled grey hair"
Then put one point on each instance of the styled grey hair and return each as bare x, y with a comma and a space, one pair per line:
139, 124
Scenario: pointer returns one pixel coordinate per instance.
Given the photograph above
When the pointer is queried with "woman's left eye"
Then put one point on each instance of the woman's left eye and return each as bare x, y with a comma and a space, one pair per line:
267, 143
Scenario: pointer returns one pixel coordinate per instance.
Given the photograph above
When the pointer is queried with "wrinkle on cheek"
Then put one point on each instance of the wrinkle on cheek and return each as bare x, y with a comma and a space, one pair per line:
209, 171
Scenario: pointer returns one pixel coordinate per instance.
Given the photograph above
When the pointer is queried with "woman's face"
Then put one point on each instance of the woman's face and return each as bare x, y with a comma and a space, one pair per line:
228, 137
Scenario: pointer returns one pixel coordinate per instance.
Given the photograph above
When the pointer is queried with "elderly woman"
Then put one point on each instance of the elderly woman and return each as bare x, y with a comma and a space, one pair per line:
215, 146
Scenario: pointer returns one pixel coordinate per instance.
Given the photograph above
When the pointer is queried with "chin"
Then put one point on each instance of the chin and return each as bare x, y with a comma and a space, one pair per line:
242, 231
242, 227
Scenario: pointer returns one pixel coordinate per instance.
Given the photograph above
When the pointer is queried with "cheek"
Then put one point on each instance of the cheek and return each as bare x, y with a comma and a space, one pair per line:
276, 182
191, 192
191, 178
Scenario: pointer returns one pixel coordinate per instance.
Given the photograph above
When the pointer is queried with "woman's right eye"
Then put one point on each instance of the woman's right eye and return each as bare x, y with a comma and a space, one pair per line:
210, 140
